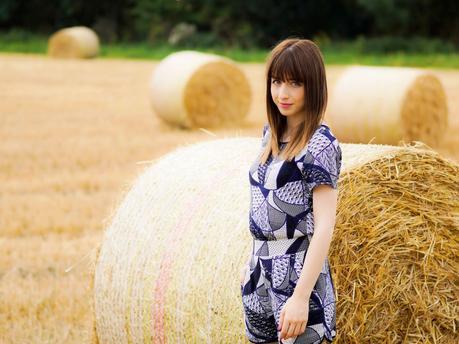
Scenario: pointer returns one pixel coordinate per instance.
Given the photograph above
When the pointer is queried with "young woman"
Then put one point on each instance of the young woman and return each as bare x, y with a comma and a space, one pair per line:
286, 286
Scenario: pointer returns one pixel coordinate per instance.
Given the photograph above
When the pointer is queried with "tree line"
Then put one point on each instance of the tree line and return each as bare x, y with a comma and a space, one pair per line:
243, 23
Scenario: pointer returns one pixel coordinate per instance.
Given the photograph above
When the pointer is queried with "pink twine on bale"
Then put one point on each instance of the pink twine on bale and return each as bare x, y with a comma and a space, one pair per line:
164, 277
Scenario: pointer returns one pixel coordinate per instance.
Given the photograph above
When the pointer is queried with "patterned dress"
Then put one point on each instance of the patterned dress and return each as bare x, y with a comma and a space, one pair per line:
281, 222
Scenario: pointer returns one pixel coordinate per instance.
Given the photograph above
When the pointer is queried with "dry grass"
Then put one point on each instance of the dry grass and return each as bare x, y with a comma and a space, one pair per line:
394, 247
73, 134
44, 289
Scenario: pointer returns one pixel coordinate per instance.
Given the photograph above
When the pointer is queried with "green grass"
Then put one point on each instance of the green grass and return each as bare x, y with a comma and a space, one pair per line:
438, 60
342, 53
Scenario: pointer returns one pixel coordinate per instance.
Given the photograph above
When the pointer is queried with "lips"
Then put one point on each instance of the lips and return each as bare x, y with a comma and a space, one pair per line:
285, 105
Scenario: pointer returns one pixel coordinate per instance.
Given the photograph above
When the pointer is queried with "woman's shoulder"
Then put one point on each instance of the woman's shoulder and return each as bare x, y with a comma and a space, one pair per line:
323, 136
323, 141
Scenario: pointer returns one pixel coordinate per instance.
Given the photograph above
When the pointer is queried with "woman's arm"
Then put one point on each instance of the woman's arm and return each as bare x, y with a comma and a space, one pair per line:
325, 199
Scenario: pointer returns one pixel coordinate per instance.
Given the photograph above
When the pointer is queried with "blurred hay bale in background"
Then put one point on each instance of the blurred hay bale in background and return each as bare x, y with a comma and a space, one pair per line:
74, 42
388, 104
192, 89
167, 266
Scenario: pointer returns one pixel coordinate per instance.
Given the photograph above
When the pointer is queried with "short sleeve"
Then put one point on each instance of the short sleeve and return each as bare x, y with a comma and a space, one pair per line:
322, 162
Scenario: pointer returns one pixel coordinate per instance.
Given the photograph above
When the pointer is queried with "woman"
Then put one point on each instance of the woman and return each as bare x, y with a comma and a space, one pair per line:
286, 285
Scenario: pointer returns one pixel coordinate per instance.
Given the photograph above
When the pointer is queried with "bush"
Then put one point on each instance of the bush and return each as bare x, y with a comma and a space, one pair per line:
201, 39
388, 44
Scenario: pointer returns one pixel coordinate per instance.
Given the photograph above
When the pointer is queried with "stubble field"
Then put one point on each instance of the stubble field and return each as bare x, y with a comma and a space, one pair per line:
73, 135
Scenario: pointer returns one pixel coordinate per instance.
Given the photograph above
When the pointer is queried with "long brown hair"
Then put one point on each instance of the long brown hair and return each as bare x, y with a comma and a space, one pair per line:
302, 61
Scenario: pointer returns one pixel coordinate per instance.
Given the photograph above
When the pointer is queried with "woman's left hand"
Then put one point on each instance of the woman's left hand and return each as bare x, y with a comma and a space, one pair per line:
293, 317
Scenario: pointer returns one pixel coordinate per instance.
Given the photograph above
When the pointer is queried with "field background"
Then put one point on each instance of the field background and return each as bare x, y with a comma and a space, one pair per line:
73, 135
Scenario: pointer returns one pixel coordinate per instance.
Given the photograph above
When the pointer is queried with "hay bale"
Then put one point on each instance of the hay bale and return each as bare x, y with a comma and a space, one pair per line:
74, 42
395, 249
92, 333
388, 104
167, 270
191, 89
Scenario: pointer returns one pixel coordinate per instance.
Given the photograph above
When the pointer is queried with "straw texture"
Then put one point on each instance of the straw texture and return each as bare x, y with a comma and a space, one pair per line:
191, 89
74, 42
167, 270
388, 104
395, 248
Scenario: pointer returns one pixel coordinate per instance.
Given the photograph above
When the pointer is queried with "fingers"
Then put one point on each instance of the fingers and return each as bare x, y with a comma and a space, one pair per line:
281, 320
303, 327
284, 331
298, 329
290, 329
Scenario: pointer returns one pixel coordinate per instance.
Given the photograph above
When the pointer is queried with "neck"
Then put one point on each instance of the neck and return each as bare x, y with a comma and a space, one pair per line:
292, 122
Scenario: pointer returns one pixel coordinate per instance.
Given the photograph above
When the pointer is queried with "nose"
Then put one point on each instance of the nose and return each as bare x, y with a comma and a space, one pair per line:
283, 91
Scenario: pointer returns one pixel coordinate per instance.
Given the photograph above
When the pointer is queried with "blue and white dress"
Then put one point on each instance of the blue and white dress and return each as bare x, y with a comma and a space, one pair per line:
281, 222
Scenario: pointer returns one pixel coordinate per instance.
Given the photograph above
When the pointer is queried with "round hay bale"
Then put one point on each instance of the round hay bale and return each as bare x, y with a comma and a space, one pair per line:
191, 89
74, 42
167, 270
388, 104
92, 333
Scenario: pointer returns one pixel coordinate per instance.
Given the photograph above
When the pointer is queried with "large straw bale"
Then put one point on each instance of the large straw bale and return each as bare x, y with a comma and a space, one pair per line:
388, 104
74, 42
191, 89
167, 270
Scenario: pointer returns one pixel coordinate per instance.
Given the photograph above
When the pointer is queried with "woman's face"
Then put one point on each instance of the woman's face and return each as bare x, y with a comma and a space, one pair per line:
288, 97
